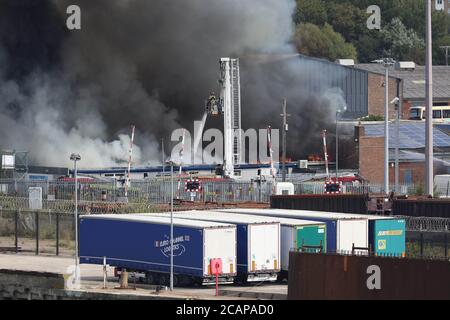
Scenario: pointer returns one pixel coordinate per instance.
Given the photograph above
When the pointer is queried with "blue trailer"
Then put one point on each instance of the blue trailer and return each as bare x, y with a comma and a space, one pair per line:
142, 244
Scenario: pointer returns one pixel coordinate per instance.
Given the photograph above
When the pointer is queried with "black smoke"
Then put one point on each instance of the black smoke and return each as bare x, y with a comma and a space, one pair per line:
150, 63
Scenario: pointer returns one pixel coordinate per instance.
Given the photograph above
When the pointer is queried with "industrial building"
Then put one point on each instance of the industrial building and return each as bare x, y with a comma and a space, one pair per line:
411, 144
411, 87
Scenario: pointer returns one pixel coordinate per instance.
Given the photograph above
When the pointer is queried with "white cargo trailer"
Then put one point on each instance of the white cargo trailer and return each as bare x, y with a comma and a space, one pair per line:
343, 232
258, 242
299, 234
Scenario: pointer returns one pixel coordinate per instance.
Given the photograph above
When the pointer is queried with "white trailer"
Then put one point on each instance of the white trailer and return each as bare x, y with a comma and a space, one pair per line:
343, 231
258, 242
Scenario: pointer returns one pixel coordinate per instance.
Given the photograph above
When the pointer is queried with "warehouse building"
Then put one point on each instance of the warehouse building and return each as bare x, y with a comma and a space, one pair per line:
370, 150
411, 87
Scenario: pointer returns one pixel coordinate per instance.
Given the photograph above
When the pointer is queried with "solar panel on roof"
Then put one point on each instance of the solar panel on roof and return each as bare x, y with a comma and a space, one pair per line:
412, 135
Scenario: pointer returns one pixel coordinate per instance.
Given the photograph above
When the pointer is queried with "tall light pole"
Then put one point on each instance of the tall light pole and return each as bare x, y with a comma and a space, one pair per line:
76, 157
285, 115
387, 63
446, 48
429, 104
338, 113
171, 163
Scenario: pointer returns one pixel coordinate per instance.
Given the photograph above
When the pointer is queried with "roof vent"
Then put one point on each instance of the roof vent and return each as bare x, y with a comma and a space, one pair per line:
346, 62
405, 65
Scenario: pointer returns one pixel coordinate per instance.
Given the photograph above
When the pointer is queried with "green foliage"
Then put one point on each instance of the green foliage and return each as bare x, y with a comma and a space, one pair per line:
402, 34
311, 11
402, 43
322, 42
372, 117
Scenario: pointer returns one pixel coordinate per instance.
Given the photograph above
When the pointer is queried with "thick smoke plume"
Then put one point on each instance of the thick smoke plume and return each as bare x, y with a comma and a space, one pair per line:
148, 63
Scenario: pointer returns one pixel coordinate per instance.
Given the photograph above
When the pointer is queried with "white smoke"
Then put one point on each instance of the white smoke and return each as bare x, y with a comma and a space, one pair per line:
149, 63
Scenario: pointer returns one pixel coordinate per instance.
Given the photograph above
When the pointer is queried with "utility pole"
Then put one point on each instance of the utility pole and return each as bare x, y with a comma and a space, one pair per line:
398, 108
429, 104
446, 48
387, 63
163, 159
284, 132
76, 157
325, 153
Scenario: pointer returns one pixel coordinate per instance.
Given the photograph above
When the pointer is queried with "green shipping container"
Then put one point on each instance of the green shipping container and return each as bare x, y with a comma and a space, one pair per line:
312, 236
388, 237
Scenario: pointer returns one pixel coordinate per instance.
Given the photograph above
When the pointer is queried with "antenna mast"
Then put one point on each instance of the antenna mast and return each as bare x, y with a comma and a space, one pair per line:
130, 153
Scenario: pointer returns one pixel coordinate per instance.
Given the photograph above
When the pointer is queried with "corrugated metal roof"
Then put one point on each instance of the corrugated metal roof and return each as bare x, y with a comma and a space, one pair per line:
414, 81
412, 135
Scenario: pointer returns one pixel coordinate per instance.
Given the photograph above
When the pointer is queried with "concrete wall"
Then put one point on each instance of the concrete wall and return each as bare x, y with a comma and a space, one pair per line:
23, 285
31, 285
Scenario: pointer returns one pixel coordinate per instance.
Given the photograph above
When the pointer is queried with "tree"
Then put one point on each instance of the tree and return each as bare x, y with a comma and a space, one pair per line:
311, 11
348, 20
402, 43
323, 42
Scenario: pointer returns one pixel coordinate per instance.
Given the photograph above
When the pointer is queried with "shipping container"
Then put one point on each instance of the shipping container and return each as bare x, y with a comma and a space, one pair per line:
296, 234
343, 233
142, 244
387, 235
258, 243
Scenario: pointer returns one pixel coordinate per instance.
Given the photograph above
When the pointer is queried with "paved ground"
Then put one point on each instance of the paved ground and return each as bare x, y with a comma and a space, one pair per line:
92, 280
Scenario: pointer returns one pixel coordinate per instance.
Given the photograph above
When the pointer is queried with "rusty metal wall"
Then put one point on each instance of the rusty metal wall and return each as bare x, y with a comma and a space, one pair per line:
337, 277
332, 203
422, 208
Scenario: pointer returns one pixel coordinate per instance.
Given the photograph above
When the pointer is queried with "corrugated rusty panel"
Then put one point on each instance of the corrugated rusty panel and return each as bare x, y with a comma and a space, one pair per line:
314, 277
331, 203
422, 208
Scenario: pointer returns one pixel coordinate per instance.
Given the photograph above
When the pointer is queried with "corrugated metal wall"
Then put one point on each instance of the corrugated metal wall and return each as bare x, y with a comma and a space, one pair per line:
422, 208
332, 203
353, 83
323, 277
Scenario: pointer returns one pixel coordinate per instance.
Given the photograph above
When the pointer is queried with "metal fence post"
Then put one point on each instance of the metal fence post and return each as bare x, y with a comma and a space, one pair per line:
57, 233
421, 244
16, 230
446, 244
37, 232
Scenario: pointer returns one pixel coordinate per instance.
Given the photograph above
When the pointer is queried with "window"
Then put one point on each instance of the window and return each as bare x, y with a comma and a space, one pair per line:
407, 177
437, 114
415, 114
447, 114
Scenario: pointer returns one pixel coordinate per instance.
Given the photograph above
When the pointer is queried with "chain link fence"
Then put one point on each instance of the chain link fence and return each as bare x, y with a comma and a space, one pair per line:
350, 188
59, 195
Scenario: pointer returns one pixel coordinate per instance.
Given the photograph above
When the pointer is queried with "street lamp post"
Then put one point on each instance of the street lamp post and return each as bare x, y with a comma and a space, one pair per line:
171, 163
338, 113
387, 63
76, 157
429, 152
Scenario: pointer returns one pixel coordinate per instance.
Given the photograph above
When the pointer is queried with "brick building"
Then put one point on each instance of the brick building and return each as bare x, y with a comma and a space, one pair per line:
411, 87
443, 5
370, 150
